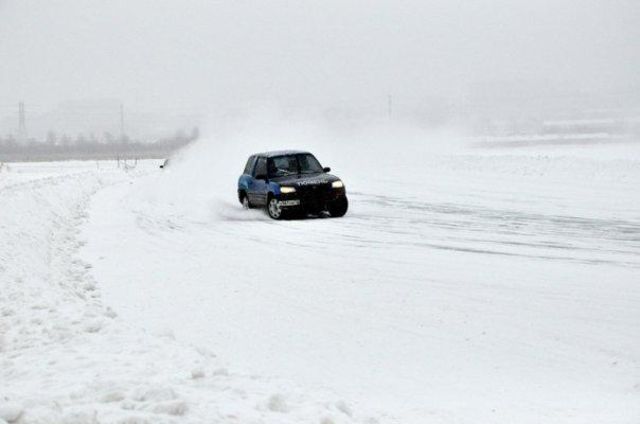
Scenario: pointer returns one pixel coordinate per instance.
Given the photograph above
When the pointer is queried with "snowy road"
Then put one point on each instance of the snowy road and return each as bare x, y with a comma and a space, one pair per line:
492, 288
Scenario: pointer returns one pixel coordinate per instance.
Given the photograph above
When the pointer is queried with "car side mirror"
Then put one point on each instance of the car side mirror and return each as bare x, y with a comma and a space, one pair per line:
326, 169
261, 177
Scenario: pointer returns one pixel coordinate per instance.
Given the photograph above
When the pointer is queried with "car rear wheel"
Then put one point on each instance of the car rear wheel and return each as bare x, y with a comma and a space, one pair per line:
244, 199
274, 209
338, 208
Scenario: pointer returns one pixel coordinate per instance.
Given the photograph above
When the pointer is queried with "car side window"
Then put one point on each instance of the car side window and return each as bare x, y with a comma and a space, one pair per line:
261, 167
249, 166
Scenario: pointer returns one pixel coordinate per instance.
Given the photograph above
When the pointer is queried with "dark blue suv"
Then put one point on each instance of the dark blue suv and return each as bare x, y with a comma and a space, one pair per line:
289, 183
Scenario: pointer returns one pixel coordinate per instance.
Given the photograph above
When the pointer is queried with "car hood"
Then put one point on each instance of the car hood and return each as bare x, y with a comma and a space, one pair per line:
305, 179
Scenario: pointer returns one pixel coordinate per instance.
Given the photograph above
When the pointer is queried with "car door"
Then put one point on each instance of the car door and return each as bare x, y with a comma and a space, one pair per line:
258, 186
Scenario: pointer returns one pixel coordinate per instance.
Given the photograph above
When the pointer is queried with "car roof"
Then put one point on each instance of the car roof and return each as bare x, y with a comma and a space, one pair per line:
281, 153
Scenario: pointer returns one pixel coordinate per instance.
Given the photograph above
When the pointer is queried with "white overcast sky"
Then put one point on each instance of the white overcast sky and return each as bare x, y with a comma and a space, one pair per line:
200, 54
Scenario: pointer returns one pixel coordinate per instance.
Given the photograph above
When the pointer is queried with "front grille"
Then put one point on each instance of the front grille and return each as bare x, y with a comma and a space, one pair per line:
315, 197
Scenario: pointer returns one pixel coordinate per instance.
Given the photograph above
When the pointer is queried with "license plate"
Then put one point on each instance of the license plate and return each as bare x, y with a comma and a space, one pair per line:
295, 202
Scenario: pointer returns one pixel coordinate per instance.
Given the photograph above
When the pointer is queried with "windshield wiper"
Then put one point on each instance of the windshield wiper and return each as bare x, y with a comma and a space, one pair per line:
286, 173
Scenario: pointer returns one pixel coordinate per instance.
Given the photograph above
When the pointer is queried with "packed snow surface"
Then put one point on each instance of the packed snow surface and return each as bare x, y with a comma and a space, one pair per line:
65, 355
464, 285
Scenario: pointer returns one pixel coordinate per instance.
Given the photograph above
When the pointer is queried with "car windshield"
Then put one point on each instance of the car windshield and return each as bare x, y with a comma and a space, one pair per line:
309, 164
281, 166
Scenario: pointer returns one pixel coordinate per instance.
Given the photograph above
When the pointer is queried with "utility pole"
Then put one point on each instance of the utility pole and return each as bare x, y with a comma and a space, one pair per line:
389, 105
22, 123
121, 121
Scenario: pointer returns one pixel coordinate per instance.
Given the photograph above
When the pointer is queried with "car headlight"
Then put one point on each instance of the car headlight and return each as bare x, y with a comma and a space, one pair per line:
286, 190
337, 184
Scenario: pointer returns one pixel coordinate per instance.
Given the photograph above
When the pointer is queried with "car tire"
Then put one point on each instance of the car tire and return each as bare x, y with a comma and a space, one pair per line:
244, 200
338, 208
273, 208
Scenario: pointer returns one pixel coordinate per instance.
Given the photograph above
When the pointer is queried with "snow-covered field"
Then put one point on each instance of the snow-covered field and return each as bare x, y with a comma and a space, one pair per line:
465, 285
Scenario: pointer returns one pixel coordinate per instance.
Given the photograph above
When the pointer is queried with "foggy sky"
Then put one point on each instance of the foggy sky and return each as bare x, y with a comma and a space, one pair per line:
189, 55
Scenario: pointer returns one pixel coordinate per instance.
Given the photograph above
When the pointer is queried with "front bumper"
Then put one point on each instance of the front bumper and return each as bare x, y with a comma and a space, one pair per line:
313, 199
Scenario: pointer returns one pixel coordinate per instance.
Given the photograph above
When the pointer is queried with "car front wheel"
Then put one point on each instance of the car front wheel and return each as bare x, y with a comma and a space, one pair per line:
339, 207
274, 209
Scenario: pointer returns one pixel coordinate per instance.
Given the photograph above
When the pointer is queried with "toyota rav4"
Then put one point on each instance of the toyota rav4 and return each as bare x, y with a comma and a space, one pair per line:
289, 183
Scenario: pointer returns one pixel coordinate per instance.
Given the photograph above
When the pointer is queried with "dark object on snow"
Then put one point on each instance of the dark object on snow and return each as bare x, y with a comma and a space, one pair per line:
289, 183
164, 164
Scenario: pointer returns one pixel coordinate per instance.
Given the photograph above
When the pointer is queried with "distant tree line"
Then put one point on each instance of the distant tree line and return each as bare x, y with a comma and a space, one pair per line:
81, 147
